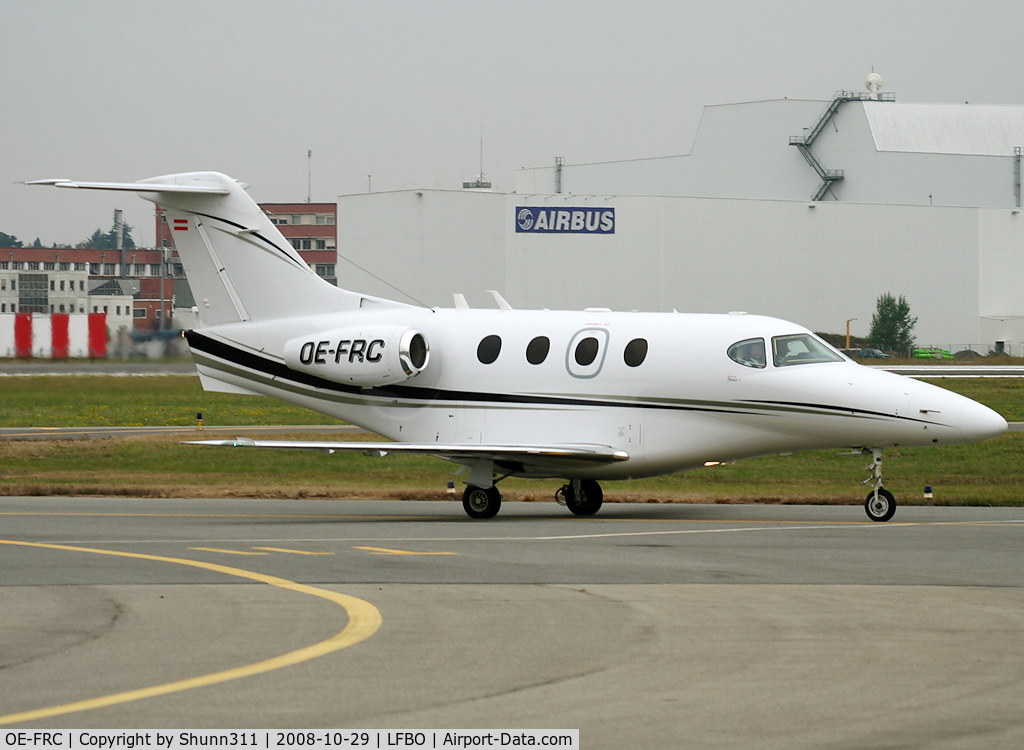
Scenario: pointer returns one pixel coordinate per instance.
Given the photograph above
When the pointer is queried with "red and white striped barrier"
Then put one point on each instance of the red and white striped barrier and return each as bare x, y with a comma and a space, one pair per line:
54, 336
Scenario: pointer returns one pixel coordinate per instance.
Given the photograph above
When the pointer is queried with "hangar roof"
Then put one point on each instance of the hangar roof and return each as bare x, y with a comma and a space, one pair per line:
981, 130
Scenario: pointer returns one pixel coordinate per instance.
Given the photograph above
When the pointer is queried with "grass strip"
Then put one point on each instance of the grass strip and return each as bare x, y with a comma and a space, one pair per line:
988, 473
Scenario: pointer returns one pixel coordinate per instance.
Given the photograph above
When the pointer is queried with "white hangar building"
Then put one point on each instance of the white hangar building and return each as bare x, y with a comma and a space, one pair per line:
804, 210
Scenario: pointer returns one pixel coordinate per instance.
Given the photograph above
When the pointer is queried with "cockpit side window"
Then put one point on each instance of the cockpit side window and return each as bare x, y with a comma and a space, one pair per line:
801, 349
749, 353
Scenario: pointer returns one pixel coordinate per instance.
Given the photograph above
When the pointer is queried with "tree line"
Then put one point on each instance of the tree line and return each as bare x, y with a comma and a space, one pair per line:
98, 240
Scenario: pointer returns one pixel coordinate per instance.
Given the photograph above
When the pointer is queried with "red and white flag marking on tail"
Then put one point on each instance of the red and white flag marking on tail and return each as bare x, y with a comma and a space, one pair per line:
181, 225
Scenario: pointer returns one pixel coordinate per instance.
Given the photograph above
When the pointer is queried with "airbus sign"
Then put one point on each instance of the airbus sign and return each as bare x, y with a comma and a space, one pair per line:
565, 220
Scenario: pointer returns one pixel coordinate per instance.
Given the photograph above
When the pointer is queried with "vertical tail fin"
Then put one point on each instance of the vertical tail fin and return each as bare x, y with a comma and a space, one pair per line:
238, 264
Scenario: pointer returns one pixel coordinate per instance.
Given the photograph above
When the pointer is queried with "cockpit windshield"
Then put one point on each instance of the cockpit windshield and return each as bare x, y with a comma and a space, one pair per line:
749, 353
801, 349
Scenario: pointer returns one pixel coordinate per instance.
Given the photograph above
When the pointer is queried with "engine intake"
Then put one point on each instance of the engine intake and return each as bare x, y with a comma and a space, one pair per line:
367, 356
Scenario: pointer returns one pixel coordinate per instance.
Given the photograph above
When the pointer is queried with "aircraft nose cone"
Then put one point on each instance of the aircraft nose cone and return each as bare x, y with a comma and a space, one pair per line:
978, 422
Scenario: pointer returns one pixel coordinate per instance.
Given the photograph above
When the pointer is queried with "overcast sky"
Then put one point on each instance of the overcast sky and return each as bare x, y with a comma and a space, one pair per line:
122, 90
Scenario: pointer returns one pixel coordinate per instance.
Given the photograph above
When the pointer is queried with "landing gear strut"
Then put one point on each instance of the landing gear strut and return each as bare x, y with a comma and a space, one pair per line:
582, 496
880, 505
480, 502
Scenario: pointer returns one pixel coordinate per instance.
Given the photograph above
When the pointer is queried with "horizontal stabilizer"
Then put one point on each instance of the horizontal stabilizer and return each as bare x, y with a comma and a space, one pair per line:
137, 187
239, 266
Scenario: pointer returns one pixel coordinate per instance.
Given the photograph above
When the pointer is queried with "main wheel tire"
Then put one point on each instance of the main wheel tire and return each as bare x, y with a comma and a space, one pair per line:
880, 508
587, 501
481, 503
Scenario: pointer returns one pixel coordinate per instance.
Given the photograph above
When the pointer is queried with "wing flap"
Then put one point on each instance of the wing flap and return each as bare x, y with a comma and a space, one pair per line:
527, 454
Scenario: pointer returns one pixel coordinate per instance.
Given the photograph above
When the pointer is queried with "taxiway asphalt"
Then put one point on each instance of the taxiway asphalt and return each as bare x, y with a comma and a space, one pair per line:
699, 626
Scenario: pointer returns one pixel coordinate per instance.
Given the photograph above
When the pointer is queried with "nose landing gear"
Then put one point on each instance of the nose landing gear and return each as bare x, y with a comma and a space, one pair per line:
880, 504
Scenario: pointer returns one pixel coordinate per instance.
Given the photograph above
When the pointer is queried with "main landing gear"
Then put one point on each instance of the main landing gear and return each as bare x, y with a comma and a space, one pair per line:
582, 496
480, 502
880, 505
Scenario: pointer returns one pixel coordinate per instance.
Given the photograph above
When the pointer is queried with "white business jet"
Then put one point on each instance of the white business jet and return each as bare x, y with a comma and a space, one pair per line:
583, 396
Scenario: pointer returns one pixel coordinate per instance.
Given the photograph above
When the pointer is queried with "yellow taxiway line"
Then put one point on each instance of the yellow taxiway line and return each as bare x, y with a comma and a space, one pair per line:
364, 620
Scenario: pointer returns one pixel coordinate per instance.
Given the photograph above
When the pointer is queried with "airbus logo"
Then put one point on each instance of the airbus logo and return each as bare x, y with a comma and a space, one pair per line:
565, 220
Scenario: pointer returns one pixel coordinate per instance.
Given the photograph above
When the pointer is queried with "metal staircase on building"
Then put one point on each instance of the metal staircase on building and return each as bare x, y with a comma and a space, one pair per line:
804, 142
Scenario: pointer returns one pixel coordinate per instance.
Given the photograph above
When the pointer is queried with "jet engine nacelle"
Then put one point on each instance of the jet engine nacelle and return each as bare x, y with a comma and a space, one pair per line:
364, 356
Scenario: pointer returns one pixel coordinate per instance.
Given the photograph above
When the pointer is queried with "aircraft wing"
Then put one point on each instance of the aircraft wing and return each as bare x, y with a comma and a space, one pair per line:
538, 456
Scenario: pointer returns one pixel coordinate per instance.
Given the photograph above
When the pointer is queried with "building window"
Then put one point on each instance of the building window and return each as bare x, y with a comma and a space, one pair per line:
296, 218
80, 266
118, 309
321, 244
3, 284
53, 285
139, 312
3, 265
140, 269
159, 314
3, 308
297, 244
94, 269
179, 270
307, 244
154, 269
33, 265
17, 265
62, 285
325, 269
49, 265
65, 266
108, 269
81, 285
325, 219
62, 308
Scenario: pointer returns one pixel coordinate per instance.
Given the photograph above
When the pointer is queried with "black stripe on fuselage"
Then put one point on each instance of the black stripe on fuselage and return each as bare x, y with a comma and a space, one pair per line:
279, 370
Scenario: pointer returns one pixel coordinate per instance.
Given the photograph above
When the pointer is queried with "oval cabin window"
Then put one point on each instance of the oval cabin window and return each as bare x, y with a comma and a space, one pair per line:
586, 351
489, 349
537, 350
636, 352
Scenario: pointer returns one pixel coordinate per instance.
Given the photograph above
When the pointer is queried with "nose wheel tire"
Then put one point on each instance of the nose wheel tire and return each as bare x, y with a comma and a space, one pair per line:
480, 502
880, 507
